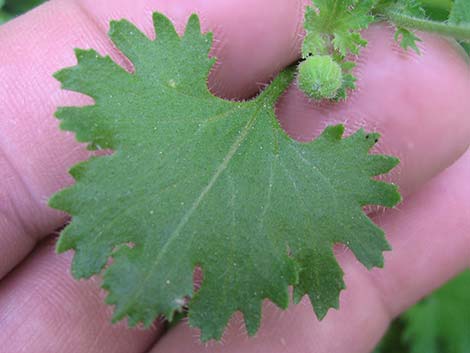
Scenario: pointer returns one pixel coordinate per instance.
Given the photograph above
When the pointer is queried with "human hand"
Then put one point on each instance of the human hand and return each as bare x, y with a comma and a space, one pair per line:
419, 104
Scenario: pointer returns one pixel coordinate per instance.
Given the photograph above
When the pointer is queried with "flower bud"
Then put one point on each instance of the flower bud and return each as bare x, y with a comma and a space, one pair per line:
320, 77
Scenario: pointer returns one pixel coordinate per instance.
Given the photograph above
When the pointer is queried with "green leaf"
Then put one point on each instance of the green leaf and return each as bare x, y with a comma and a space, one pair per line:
407, 39
460, 13
411, 9
342, 18
441, 323
196, 180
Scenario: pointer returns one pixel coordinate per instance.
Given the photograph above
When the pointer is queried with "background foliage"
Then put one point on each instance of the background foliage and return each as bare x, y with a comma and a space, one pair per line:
439, 10
438, 324
12, 8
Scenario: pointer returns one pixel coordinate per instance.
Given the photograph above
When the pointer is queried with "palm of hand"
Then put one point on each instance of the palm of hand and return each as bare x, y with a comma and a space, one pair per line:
404, 97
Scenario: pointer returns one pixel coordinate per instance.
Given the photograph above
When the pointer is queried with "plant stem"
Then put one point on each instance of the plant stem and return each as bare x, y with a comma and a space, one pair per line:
456, 31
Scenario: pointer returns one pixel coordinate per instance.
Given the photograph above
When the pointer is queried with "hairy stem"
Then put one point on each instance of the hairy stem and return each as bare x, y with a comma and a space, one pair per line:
456, 31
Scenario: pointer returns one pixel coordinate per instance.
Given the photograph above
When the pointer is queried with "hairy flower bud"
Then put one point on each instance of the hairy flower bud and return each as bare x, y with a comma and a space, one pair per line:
320, 77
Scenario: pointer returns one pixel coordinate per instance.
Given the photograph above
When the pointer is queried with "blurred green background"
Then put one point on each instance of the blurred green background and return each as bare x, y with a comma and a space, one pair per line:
13, 8
440, 323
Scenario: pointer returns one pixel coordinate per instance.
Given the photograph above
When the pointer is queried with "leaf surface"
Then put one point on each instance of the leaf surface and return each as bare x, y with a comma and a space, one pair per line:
196, 180
341, 18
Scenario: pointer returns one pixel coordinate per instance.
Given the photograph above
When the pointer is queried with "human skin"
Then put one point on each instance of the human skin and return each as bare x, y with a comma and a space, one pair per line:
419, 104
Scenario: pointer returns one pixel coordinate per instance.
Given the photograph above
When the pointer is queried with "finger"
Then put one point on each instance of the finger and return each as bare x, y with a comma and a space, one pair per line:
403, 96
430, 235
431, 241
45, 310
253, 40
35, 154
74, 154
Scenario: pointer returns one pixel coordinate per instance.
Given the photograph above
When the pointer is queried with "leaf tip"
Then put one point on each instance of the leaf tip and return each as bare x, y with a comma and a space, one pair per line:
61, 246
194, 24
64, 243
164, 28
113, 27
396, 198
58, 75
334, 132
84, 54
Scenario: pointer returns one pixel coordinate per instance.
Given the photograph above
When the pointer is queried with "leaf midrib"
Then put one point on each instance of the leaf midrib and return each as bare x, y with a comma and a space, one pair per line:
184, 220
